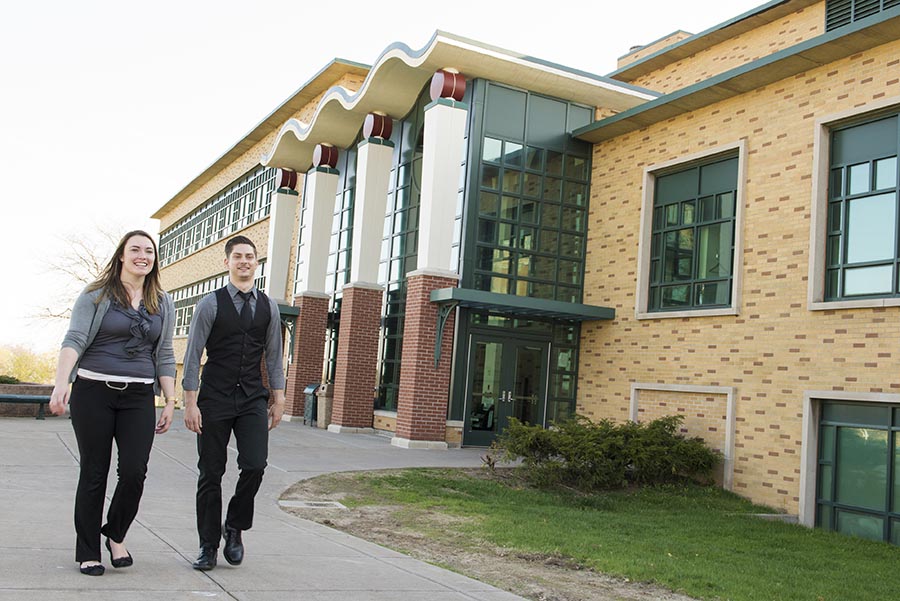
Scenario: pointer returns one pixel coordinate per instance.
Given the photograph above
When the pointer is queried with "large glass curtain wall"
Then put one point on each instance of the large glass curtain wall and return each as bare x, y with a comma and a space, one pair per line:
399, 248
527, 221
532, 198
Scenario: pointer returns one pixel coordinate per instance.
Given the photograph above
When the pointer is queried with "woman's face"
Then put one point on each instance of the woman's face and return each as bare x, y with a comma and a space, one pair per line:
138, 257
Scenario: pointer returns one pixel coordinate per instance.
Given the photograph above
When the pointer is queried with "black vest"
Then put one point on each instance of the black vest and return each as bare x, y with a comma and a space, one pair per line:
234, 355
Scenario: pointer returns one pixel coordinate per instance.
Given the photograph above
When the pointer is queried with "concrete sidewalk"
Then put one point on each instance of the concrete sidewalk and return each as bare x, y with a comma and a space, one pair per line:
287, 558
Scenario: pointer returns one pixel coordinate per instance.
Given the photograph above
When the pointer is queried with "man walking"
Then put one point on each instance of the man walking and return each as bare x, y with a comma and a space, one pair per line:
237, 325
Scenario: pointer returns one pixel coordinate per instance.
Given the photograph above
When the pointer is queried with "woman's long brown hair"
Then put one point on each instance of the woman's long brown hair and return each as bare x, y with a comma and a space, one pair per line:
110, 280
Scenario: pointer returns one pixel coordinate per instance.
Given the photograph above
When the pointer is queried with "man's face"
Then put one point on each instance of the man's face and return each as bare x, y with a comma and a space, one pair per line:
241, 263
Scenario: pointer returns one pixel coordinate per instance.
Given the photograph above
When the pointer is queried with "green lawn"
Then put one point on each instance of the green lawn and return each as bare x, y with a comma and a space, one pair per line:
699, 541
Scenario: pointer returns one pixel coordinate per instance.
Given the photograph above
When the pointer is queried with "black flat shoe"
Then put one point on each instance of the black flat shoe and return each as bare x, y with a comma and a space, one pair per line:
95, 569
207, 558
121, 562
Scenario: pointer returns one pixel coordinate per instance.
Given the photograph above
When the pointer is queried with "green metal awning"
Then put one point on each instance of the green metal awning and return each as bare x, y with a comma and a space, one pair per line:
288, 316
520, 306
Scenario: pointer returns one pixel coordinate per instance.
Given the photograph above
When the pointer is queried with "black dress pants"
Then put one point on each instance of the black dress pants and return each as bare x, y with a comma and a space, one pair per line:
100, 415
247, 417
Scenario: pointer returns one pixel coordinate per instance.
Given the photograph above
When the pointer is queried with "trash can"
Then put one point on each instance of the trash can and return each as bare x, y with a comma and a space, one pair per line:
326, 396
309, 405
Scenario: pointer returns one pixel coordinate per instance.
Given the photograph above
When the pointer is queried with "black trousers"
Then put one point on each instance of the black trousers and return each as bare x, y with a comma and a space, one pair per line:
247, 417
100, 415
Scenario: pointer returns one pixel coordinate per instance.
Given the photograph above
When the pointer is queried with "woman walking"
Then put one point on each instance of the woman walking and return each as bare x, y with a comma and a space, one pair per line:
117, 355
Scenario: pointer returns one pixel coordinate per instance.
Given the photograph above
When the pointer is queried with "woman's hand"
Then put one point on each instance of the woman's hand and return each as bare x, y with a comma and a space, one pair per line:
165, 419
59, 398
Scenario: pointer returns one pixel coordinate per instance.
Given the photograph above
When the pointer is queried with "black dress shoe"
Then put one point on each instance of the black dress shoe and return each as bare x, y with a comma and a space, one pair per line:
234, 548
121, 562
94, 569
207, 558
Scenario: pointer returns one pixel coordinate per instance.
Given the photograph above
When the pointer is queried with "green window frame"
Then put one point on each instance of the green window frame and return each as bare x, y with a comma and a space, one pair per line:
858, 470
693, 236
863, 235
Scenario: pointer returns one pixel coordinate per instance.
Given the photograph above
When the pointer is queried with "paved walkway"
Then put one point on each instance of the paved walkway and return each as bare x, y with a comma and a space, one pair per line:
287, 558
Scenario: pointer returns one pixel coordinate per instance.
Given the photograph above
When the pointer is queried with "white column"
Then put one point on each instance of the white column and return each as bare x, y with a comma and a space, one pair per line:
282, 214
312, 259
373, 168
445, 128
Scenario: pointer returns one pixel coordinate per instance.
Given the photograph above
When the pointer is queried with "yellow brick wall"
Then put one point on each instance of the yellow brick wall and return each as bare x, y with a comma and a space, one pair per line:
387, 423
704, 414
788, 31
776, 348
645, 51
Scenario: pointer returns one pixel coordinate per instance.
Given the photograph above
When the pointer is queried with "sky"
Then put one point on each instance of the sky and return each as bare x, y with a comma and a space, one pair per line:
109, 108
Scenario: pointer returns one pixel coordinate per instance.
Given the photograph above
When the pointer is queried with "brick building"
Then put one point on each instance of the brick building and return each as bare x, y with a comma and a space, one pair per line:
459, 235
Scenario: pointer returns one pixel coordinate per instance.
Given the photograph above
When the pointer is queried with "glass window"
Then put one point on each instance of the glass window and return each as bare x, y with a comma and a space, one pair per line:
491, 150
861, 525
858, 482
862, 255
886, 173
693, 237
871, 228
244, 201
862, 472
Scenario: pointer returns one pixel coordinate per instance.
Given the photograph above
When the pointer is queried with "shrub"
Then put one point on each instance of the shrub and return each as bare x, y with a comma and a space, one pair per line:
8, 380
588, 455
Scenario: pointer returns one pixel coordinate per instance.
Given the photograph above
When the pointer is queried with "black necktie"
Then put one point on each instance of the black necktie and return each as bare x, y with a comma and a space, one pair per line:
246, 311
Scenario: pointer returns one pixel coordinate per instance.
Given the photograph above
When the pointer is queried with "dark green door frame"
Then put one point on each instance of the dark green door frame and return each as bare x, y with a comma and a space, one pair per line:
506, 376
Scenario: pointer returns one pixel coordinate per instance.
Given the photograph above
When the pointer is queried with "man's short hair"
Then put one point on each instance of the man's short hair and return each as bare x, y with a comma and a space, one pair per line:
238, 240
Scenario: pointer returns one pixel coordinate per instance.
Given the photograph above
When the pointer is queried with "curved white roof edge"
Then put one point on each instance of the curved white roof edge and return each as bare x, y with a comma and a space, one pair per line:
395, 80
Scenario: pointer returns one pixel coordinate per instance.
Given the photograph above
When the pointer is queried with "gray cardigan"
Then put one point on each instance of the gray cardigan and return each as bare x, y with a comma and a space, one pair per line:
87, 315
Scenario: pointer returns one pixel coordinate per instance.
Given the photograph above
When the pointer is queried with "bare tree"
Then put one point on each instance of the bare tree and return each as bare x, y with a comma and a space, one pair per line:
79, 262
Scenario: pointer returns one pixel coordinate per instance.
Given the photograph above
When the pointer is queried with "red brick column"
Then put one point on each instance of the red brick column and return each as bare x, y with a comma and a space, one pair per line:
356, 369
424, 389
309, 350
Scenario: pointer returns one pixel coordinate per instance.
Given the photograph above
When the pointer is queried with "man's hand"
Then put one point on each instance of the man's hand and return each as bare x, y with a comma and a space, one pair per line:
193, 421
277, 409
275, 413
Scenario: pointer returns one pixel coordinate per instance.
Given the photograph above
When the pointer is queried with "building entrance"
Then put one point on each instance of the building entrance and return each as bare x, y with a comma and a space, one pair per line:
506, 378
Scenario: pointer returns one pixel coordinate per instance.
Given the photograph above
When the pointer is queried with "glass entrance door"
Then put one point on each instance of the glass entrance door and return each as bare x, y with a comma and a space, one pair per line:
506, 378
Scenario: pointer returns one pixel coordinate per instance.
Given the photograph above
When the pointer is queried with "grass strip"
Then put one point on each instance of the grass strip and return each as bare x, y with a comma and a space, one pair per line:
701, 541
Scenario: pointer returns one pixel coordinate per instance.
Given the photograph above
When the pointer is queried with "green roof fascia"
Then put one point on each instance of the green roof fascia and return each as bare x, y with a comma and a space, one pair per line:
810, 54
521, 306
703, 40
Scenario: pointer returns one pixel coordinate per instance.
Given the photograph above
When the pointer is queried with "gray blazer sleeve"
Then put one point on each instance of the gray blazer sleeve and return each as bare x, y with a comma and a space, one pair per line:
201, 324
165, 352
274, 348
79, 334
